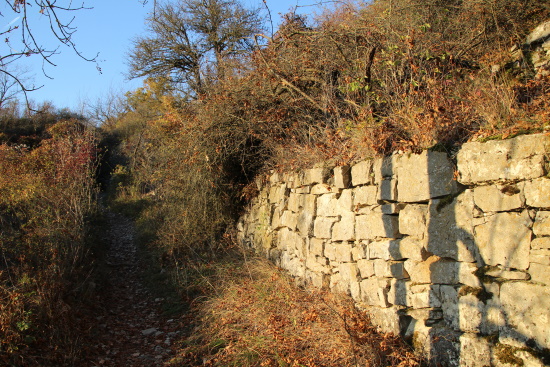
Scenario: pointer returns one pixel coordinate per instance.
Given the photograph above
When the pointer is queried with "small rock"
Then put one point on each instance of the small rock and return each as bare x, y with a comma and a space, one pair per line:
149, 331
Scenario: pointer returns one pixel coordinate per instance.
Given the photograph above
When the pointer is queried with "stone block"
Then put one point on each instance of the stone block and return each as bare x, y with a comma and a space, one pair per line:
392, 208
425, 176
359, 251
387, 189
526, 310
475, 351
304, 224
498, 272
519, 158
541, 256
316, 176
413, 219
505, 239
438, 344
365, 195
330, 251
344, 203
316, 247
366, 268
387, 319
344, 230
399, 292
348, 271
424, 296
540, 243
355, 290
294, 202
385, 167
321, 189
327, 205
541, 227
342, 252
314, 265
374, 291
385, 249
450, 227
278, 193
342, 177
434, 270
322, 227
318, 280
361, 173
289, 219
537, 193
412, 248
499, 198
375, 225
540, 273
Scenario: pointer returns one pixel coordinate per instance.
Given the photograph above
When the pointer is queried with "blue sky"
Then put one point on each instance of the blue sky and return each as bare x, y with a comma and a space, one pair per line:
106, 29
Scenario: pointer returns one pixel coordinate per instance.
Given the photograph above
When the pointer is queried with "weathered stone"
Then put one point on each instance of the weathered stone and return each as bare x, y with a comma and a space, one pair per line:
276, 218
304, 224
387, 190
366, 268
344, 230
498, 272
505, 239
274, 178
426, 315
278, 193
385, 167
537, 193
519, 158
374, 291
375, 225
321, 189
424, 296
439, 344
412, 248
316, 176
345, 202
384, 249
314, 265
342, 177
425, 176
359, 251
540, 243
318, 280
526, 310
348, 271
342, 252
540, 33
355, 290
393, 208
495, 198
540, 256
412, 220
316, 247
434, 270
322, 227
389, 269
294, 202
361, 173
365, 195
475, 351
289, 219
541, 227
450, 227
387, 319
540, 273
399, 292
327, 205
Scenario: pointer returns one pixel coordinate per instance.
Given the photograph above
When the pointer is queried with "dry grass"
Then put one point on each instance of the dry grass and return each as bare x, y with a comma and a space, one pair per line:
257, 316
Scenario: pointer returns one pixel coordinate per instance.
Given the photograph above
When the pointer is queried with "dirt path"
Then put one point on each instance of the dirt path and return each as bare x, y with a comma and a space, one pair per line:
130, 329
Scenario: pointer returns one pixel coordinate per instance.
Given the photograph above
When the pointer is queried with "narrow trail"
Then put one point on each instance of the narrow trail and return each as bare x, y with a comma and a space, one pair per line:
130, 328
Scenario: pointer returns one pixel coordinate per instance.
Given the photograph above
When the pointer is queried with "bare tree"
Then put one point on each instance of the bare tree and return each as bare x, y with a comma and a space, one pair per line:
23, 40
191, 41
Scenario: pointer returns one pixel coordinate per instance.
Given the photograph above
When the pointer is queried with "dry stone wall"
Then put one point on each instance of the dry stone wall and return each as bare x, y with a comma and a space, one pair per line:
453, 256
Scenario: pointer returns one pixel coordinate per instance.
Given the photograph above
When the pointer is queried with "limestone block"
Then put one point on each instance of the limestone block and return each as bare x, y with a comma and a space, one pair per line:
467, 274
399, 292
337, 284
276, 218
316, 176
327, 205
412, 248
277, 193
345, 202
344, 230
385, 249
526, 310
499, 198
322, 227
434, 270
316, 279
348, 271
373, 225
366, 268
355, 290
541, 256
392, 208
519, 158
475, 351
321, 189
289, 219
387, 189
541, 227
387, 319
450, 227
315, 266
498, 272
413, 219
361, 173
330, 251
439, 344
374, 291
425, 176
342, 252
424, 296
359, 251
470, 312
316, 247
302, 190
365, 195
342, 177
294, 202
540, 273
505, 239
540, 243
304, 224
537, 193
274, 178
385, 167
